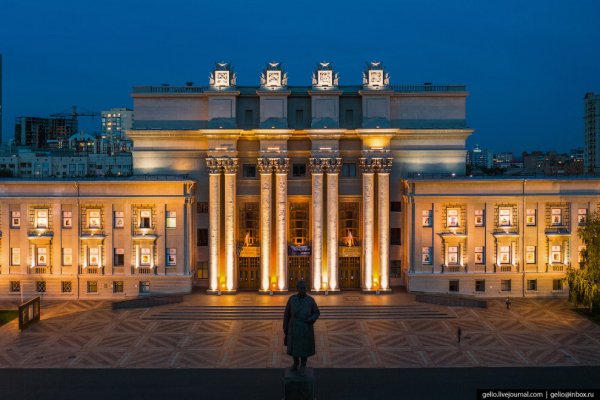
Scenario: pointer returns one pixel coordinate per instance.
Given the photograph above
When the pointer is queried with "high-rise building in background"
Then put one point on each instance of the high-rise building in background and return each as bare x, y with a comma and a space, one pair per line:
592, 133
116, 121
479, 157
44, 132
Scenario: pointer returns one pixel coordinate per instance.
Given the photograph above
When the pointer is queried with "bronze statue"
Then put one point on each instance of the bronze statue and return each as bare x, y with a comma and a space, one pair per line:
301, 312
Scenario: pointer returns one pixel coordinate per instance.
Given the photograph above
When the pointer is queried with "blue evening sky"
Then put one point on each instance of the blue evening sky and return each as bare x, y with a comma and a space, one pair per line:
527, 64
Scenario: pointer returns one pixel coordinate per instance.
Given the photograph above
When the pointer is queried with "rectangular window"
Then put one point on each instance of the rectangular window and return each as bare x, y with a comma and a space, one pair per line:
349, 170
452, 255
171, 220
581, 216
557, 284
202, 237
202, 269
298, 170
144, 286
15, 256
479, 220
556, 216
118, 286
94, 256
504, 253
145, 219
426, 218
15, 286
453, 286
480, 285
396, 206
202, 207
119, 217
119, 257
452, 217
67, 219
145, 254
506, 285
530, 217
530, 255
171, 257
426, 255
479, 251
92, 286
42, 256
532, 284
67, 256
395, 236
66, 286
504, 216
41, 218
94, 219
40, 286
555, 254
15, 220
395, 268
249, 171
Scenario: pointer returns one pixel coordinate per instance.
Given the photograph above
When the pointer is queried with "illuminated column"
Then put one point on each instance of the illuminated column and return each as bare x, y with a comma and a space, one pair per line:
333, 171
33, 259
230, 167
100, 261
137, 257
214, 210
368, 180
317, 221
383, 190
265, 170
282, 167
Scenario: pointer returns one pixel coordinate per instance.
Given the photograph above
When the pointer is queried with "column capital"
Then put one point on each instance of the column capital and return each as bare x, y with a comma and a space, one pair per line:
230, 165
213, 165
334, 165
370, 165
264, 166
281, 166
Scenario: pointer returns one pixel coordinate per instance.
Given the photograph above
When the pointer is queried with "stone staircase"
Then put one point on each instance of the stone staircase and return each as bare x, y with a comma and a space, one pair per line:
247, 312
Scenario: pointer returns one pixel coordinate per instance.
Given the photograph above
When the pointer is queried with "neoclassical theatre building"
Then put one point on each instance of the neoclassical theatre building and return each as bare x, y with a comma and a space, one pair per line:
240, 188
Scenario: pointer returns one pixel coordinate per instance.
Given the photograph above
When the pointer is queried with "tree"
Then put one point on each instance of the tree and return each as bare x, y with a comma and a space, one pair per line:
584, 283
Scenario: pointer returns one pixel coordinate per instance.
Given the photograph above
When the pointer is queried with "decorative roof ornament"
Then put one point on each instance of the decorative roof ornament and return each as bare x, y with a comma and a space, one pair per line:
222, 77
324, 77
273, 76
375, 76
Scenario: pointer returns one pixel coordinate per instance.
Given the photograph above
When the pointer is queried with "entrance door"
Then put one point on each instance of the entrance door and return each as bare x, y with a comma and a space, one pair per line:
349, 272
298, 270
249, 268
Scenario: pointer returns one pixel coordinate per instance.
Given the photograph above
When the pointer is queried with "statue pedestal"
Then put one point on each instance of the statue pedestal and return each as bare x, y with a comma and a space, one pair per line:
299, 387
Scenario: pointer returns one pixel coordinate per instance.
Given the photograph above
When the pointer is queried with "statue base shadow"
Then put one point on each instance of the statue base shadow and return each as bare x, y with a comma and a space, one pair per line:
299, 386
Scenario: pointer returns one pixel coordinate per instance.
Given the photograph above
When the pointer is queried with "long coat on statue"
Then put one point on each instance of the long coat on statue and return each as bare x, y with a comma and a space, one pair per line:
300, 315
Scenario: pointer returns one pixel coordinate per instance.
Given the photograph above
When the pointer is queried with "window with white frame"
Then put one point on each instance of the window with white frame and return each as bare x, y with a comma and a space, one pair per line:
479, 218
504, 216
171, 257
42, 256
452, 217
41, 218
171, 220
119, 219
452, 255
426, 255
67, 256
94, 219
530, 254
67, 219
555, 253
530, 217
582, 216
145, 253
426, 218
556, 216
93, 256
504, 254
145, 218
15, 219
479, 255
15, 256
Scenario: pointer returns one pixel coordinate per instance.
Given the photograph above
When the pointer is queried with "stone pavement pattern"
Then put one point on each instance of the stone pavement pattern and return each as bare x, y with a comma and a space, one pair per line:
87, 334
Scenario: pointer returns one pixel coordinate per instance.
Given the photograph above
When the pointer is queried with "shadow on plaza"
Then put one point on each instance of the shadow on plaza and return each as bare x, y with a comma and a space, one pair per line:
343, 384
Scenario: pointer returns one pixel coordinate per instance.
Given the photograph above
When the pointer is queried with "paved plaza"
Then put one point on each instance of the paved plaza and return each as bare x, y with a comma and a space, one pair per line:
87, 334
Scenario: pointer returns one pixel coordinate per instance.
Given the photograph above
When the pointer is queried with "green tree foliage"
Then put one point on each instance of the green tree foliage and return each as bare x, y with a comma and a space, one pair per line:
584, 283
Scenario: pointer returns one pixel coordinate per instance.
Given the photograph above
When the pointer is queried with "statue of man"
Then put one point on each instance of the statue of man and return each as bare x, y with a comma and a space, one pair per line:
301, 312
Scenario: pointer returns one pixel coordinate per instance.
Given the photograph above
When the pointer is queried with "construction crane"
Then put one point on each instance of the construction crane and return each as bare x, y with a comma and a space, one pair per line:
74, 114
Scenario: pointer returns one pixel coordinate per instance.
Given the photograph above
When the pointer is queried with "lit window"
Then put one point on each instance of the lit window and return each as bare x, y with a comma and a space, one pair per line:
530, 217
171, 220
15, 256
119, 217
94, 256
66, 286
479, 251
452, 218
452, 255
15, 286
556, 216
479, 221
504, 216
145, 256
555, 254
15, 220
581, 216
67, 222
41, 218
94, 219
427, 222
426, 255
92, 286
145, 218
504, 253
171, 257
67, 256
42, 256
530, 254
